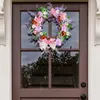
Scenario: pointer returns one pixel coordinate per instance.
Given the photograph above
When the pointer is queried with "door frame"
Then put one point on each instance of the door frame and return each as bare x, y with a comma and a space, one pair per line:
23, 92
6, 53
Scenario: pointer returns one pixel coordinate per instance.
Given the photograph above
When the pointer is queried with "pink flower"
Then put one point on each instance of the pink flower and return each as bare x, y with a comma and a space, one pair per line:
62, 16
52, 11
49, 41
38, 29
63, 28
58, 42
38, 20
35, 31
40, 14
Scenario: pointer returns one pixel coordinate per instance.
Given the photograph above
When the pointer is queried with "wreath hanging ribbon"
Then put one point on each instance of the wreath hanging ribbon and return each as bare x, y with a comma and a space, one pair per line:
50, 14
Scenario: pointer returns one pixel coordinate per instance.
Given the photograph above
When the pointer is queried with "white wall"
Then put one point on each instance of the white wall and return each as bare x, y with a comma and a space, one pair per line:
94, 57
5, 58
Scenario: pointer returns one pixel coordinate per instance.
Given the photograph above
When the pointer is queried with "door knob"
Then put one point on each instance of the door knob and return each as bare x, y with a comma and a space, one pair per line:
83, 97
83, 84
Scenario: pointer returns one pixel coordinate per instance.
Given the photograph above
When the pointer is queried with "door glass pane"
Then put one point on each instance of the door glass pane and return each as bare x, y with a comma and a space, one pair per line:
25, 39
34, 69
72, 42
65, 69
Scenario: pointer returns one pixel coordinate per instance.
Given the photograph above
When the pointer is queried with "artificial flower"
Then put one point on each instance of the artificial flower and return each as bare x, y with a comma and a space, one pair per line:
58, 42
59, 19
39, 29
52, 11
40, 14
42, 45
68, 33
62, 16
34, 22
38, 21
49, 41
45, 14
33, 26
41, 33
43, 37
63, 28
63, 33
35, 32
53, 45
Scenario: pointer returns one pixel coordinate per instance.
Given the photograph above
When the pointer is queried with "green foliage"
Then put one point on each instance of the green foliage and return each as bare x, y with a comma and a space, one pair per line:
42, 9
44, 33
68, 17
40, 67
69, 26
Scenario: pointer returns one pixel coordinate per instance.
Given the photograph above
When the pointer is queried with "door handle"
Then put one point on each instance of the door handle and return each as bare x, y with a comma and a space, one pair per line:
83, 97
83, 84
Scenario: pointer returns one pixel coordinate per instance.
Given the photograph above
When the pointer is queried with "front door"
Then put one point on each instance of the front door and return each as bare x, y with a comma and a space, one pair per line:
50, 76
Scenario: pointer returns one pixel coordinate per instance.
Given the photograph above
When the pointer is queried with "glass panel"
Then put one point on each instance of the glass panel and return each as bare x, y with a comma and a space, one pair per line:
25, 39
65, 69
34, 69
73, 42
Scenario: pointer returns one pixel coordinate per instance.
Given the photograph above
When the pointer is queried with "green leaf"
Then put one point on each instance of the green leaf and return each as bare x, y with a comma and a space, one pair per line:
69, 26
62, 38
59, 33
43, 9
31, 30
68, 17
66, 37
39, 9
35, 37
44, 33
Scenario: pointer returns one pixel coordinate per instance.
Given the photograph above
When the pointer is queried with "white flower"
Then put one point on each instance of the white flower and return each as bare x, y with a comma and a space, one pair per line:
45, 13
53, 45
68, 33
57, 12
67, 23
33, 26
41, 33
43, 45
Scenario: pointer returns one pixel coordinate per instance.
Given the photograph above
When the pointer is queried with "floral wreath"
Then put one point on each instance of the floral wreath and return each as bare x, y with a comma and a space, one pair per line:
56, 15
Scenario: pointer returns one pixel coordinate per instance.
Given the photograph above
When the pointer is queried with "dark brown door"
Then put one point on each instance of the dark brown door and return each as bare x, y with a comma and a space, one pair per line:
52, 76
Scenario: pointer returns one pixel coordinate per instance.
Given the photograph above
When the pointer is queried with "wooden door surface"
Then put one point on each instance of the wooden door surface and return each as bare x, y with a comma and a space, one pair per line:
51, 76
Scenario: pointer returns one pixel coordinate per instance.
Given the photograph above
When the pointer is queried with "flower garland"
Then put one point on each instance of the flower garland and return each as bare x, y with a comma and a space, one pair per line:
50, 14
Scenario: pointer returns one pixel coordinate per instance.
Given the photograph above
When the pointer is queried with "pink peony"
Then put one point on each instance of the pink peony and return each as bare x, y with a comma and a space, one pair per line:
62, 16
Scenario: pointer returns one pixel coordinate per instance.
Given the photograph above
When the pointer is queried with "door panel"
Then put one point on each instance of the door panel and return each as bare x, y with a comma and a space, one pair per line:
54, 76
49, 99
